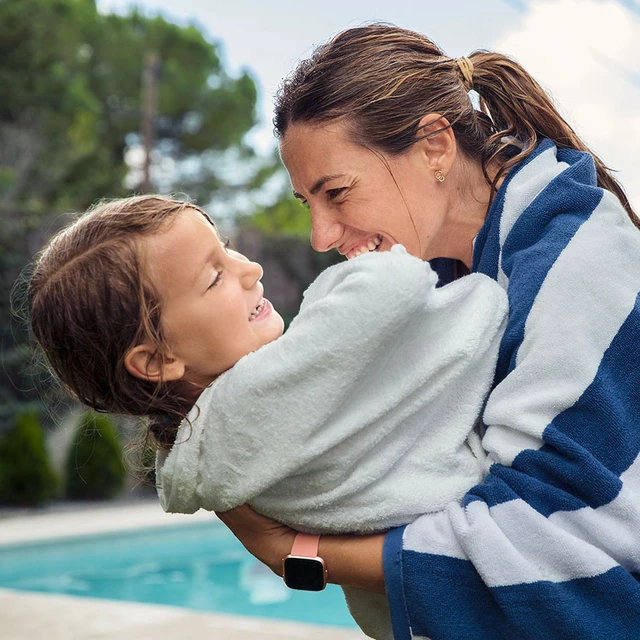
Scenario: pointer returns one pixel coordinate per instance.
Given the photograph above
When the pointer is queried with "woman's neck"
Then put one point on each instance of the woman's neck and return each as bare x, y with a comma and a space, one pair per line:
470, 198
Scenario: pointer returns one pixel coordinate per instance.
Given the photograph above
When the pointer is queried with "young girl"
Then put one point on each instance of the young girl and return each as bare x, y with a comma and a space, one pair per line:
358, 419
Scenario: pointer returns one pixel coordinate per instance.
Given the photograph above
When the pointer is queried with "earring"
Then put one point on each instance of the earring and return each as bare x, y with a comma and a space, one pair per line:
439, 175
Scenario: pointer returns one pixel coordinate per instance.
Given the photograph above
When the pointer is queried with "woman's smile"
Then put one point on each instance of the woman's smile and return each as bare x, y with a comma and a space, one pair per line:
360, 200
371, 244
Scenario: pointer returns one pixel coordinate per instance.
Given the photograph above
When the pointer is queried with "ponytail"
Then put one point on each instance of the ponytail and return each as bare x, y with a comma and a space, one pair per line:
385, 79
518, 106
163, 427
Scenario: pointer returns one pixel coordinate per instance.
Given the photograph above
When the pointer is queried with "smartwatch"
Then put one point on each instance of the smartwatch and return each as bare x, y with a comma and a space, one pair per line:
303, 569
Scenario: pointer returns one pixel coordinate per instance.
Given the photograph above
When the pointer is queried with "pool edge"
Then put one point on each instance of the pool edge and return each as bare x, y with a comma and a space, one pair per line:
36, 616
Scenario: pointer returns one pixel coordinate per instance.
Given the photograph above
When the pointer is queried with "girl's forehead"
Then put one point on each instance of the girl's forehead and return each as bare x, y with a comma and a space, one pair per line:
174, 254
198, 213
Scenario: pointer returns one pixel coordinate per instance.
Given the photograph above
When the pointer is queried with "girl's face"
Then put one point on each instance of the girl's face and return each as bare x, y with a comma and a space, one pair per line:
212, 308
361, 200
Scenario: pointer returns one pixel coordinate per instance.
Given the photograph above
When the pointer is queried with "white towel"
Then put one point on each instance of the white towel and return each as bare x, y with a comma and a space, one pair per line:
358, 419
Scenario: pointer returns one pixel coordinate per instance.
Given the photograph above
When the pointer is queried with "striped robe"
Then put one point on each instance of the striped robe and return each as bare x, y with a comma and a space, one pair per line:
548, 546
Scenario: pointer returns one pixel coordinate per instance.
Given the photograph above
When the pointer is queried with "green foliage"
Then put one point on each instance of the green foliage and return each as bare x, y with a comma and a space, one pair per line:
26, 475
286, 217
70, 100
94, 469
70, 109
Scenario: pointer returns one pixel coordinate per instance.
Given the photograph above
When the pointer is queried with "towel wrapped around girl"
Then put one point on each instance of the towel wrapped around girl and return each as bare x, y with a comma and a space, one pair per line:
359, 418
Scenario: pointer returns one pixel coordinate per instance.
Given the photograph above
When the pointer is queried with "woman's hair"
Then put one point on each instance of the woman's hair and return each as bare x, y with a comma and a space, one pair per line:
382, 80
89, 303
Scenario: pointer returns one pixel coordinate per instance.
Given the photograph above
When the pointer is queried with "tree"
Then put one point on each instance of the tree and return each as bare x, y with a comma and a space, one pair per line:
70, 101
70, 113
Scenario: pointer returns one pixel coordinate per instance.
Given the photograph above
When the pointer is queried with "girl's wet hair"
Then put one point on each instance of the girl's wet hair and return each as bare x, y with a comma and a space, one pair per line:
382, 80
89, 303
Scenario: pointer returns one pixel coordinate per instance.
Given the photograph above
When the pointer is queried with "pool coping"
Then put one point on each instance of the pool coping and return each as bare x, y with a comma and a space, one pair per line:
90, 519
40, 616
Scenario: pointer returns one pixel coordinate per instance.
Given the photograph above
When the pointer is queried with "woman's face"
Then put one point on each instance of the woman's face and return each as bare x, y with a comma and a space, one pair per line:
361, 200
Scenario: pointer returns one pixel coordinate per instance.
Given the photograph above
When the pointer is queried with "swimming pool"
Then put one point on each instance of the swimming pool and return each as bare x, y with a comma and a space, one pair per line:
197, 566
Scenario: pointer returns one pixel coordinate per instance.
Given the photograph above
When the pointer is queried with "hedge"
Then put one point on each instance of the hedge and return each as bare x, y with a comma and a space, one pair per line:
26, 475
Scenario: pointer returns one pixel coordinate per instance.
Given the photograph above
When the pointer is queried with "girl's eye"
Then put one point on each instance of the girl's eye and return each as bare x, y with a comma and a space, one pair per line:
216, 281
334, 193
227, 245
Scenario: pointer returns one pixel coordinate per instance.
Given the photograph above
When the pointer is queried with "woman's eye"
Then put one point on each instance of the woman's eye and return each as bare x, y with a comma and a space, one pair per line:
334, 193
227, 245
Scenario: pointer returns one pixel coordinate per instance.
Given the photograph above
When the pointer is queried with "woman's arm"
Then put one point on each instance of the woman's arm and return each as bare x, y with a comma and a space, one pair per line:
354, 561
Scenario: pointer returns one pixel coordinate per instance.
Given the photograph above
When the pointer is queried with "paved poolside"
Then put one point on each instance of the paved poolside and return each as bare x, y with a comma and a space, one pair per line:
35, 616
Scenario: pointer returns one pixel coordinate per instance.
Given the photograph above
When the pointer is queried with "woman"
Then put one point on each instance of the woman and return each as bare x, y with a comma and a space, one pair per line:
382, 142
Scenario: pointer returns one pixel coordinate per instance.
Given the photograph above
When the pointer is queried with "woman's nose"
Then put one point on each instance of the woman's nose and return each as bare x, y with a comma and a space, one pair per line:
325, 232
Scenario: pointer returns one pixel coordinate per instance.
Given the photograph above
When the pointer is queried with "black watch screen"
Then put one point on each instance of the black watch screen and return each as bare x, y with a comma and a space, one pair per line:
306, 574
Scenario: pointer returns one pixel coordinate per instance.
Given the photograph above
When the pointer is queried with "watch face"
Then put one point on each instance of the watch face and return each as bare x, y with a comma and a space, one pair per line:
306, 574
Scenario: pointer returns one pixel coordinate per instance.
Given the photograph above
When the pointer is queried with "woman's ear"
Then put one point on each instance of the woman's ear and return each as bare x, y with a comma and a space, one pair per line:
437, 142
147, 363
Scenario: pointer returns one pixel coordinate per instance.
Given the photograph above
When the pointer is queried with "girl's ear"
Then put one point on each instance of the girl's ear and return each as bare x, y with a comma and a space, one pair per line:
145, 362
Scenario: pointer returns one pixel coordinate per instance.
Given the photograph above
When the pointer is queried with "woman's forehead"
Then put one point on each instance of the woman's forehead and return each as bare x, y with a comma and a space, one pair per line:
314, 154
308, 134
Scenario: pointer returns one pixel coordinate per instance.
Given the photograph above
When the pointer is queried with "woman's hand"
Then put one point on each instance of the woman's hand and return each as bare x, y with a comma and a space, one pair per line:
266, 539
354, 561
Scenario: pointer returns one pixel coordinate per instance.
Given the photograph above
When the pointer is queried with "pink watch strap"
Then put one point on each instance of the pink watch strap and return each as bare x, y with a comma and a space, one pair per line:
305, 545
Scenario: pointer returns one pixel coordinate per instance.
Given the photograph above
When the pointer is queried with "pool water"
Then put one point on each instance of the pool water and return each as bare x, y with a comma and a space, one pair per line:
201, 567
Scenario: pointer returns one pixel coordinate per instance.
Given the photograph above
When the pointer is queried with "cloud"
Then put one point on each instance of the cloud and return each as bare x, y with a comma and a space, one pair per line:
585, 53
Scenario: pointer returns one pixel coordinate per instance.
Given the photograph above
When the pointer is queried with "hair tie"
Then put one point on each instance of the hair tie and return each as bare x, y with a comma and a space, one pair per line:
466, 70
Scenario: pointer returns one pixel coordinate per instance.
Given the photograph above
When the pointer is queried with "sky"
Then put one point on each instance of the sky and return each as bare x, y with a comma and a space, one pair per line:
586, 53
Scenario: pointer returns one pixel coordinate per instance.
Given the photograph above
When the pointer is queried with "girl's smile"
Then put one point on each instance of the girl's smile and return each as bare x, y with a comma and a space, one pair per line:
212, 306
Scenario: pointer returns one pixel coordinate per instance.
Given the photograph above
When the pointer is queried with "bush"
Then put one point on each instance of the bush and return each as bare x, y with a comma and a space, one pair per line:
94, 466
26, 475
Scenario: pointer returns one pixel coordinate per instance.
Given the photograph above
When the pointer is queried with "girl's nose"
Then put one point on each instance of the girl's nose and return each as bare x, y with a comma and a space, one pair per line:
325, 232
251, 273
